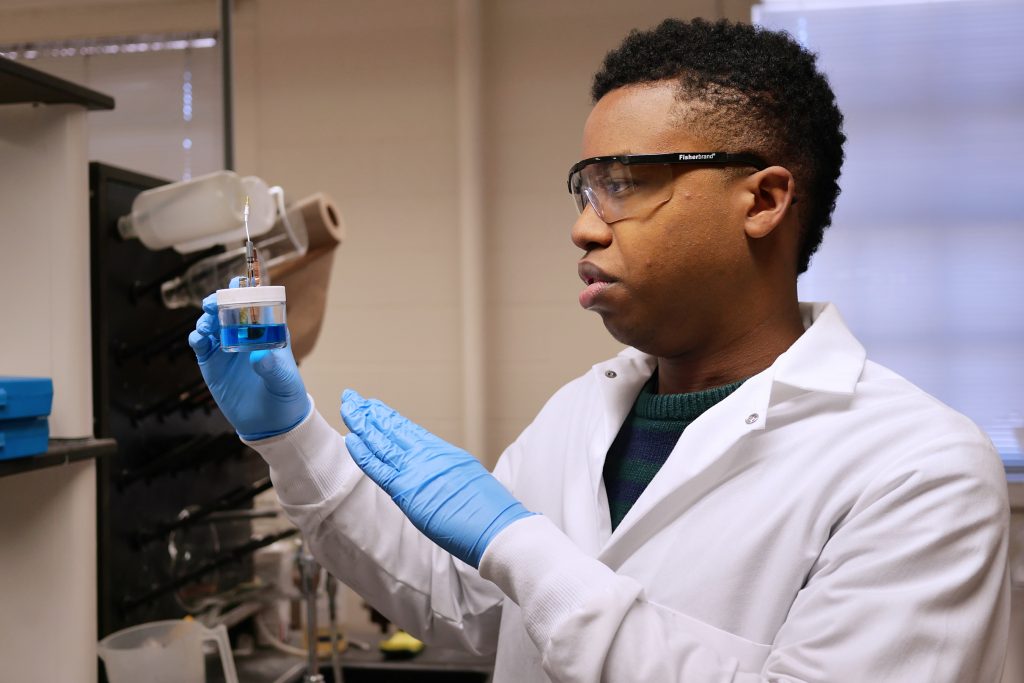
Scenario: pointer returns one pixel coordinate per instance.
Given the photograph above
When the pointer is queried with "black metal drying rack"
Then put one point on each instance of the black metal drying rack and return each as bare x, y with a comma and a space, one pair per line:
178, 460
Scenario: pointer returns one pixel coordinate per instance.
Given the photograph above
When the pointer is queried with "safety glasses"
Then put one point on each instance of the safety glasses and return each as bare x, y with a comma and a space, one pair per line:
633, 185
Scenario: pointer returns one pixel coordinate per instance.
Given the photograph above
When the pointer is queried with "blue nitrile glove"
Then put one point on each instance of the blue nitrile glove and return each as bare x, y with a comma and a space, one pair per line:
260, 393
443, 490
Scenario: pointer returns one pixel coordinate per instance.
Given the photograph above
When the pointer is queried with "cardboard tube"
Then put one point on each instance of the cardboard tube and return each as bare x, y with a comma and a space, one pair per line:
323, 221
307, 277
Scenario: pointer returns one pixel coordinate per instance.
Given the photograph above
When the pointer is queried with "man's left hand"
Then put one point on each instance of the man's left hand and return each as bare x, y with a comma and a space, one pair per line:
443, 490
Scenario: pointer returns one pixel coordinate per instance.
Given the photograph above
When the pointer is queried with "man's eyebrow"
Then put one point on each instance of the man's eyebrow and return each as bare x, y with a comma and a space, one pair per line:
621, 153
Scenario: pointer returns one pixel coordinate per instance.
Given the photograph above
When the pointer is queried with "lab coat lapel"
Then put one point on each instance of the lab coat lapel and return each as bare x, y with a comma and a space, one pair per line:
619, 381
704, 454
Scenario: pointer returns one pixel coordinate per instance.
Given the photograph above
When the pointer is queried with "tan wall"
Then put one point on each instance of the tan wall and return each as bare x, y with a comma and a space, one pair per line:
358, 100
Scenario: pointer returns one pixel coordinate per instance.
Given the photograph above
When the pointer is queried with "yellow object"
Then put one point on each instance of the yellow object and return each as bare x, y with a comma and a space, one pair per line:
401, 644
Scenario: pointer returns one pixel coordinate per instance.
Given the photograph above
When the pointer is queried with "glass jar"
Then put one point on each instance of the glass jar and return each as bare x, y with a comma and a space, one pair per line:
252, 318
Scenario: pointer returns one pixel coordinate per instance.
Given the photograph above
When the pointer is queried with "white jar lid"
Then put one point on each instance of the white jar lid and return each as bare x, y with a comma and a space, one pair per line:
271, 294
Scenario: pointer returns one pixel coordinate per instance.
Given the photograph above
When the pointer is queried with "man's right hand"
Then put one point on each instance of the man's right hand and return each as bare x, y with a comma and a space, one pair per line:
260, 393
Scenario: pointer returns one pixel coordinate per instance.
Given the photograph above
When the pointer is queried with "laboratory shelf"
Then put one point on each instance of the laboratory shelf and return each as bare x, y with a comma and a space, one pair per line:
60, 452
20, 84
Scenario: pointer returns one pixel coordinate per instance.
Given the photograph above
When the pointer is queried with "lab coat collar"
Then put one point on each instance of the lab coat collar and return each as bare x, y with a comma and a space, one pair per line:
826, 357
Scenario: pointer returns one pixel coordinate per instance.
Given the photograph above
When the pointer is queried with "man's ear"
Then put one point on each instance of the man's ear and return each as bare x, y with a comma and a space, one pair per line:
770, 196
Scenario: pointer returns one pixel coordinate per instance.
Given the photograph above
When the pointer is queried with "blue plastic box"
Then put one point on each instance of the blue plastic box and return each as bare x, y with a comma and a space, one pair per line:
24, 404
22, 397
19, 438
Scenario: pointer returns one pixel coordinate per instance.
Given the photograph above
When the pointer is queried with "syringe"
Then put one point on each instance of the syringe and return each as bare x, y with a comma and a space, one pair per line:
250, 320
252, 260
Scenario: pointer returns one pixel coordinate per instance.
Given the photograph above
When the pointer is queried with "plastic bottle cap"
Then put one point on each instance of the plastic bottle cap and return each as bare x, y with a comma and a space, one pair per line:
270, 294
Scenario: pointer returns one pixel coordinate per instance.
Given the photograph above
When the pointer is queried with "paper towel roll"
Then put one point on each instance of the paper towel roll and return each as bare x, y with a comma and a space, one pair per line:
307, 277
323, 220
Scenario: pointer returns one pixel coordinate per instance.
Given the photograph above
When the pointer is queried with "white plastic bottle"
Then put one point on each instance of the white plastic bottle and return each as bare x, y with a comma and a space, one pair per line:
195, 214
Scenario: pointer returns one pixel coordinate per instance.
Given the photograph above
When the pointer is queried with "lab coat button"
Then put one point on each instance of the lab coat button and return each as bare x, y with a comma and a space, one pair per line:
610, 374
752, 418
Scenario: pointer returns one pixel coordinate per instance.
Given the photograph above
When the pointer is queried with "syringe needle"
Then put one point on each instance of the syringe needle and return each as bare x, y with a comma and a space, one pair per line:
252, 269
245, 219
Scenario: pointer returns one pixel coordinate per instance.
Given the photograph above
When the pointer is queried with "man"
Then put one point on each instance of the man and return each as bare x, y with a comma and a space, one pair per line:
740, 496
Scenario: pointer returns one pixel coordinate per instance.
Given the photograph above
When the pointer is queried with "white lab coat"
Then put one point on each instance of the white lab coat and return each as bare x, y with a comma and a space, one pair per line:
827, 521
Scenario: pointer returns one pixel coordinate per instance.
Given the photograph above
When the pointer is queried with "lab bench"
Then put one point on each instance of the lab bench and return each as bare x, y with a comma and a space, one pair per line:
432, 665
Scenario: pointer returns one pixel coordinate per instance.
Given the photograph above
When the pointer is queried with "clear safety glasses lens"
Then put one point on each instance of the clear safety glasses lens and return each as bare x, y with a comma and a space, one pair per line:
618, 191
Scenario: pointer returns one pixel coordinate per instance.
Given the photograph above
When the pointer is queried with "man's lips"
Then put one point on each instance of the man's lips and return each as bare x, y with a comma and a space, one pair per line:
590, 273
596, 281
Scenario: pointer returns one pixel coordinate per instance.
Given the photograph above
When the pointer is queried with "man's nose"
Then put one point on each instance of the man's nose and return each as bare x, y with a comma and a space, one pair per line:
589, 231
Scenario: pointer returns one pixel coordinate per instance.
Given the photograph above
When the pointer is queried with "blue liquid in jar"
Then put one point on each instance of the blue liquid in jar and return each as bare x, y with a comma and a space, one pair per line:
253, 337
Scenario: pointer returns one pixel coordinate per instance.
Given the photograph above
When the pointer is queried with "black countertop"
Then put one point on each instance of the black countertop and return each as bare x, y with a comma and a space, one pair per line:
360, 666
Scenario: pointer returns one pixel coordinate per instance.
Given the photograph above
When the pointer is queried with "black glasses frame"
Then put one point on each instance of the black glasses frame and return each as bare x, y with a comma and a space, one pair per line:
691, 158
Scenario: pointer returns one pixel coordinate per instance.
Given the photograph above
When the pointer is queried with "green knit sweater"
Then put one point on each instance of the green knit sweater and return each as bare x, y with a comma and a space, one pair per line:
646, 438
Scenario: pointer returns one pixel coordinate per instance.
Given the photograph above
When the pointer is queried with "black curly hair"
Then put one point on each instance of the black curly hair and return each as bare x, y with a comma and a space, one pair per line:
750, 90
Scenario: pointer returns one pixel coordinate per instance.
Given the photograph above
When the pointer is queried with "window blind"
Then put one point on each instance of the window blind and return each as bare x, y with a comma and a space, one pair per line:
925, 257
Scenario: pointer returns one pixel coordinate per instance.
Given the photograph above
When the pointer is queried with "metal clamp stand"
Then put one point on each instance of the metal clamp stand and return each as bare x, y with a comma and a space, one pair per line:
309, 574
332, 611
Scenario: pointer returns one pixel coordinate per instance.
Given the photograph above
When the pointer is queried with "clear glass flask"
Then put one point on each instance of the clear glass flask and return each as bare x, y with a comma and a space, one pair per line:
287, 240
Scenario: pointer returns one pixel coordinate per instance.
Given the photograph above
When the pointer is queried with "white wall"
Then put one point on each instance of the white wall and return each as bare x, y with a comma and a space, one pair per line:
48, 535
48, 574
